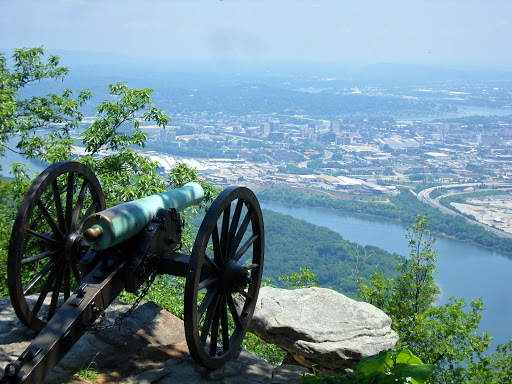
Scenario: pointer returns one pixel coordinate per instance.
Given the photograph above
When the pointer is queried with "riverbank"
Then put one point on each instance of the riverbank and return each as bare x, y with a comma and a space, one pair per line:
403, 208
466, 270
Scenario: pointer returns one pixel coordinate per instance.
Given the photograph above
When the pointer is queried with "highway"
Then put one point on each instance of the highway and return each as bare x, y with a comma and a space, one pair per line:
425, 197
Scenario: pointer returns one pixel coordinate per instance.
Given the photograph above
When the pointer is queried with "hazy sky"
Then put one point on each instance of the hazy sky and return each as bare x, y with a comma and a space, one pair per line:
404, 31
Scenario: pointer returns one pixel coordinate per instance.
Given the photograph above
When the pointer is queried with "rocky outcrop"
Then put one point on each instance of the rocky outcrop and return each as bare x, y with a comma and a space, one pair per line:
149, 348
316, 326
321, 327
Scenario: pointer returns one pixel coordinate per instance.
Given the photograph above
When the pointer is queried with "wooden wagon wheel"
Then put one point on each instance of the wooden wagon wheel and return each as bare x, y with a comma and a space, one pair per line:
224, 277
46, 244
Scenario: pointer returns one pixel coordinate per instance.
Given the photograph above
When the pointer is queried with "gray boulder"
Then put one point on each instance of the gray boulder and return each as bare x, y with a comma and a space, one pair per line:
321, 327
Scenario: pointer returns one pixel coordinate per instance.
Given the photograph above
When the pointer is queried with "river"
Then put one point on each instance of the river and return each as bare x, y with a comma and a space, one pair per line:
465, 270
10, 157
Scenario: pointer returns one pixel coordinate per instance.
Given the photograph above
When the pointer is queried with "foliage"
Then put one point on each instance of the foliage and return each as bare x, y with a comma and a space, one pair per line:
445, 336
415, 284
166, 292
304, 279
294, 170
201, 149
57, 114
322, 251
393, 366
492, 368
403, 207
130, 106
269, 352
6, 206
89, 372
123, 173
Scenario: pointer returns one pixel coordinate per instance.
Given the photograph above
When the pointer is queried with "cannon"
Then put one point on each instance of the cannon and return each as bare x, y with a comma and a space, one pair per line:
70, 257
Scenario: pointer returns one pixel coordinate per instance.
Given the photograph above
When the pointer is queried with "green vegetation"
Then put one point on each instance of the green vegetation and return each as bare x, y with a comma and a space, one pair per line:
43, 125
303, 279
445, 336
89, 372
403, 207
442, 336
294, 170
321, 252
200, 149
123, 174
438, 192
393, 366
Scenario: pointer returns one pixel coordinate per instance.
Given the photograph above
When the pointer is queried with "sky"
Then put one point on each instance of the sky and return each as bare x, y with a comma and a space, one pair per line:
451, 32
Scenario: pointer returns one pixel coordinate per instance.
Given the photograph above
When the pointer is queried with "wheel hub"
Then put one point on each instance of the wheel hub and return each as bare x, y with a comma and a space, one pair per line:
234, 277
72, 247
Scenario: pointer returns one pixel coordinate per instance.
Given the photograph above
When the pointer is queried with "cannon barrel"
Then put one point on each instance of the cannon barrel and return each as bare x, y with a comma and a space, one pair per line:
114, 225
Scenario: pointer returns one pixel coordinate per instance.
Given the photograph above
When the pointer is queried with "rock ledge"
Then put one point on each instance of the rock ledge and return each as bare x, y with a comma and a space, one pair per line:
321, 327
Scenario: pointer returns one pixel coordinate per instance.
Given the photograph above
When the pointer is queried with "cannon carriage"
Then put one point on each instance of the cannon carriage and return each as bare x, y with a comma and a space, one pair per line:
76, 256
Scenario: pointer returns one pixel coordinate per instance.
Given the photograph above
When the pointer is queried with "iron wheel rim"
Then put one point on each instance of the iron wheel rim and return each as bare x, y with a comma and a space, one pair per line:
61, 245
225, 278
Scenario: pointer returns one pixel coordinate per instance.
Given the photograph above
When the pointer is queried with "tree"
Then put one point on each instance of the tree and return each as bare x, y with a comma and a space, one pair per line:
446, 335
20, 117
304, 279
124, 174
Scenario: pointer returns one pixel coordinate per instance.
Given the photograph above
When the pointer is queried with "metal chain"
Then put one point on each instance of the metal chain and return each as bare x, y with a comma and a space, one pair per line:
119, 320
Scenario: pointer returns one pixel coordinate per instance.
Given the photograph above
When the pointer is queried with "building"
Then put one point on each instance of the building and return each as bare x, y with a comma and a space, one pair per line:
275, 126
264, 129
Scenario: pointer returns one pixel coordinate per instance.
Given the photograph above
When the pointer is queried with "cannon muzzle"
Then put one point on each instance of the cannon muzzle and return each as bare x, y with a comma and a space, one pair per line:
114, 225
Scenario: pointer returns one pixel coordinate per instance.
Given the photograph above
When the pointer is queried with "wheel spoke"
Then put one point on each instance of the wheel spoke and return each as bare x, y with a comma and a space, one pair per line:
210, 314
234, 313
44, 292
76, 273
58, 206
78, 206
217, 250
42, 237
217, 315
67, 282
69, 200
234, 222
208, 282
215, 329
241, 232
210, 295
245, 247
42, 273
51, 208
55, 294
245, 294
224, 232
49, 220
211, 264
224, 324
88, 213
37, 257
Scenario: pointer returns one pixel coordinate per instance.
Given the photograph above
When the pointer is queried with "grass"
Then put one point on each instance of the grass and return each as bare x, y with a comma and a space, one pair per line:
89, 372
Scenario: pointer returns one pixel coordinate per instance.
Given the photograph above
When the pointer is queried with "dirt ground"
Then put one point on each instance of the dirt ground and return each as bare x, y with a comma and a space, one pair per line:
495, 211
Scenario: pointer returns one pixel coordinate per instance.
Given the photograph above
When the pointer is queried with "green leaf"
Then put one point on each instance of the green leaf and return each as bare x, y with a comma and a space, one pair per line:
407, 357
418, 373
379, 363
